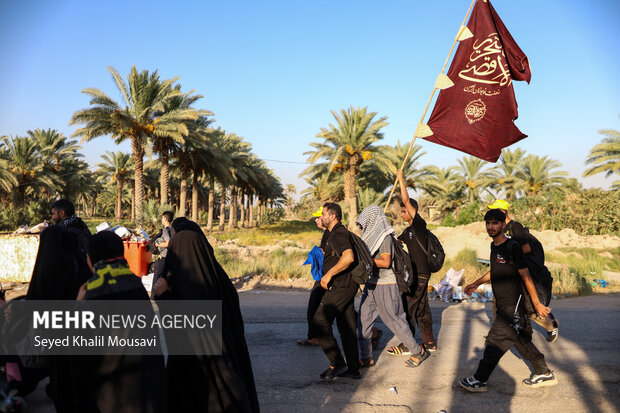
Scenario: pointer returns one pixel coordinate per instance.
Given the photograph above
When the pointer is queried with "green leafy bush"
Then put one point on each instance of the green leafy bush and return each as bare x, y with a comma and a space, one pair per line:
589, 212
31, 214
470, 213
271, 216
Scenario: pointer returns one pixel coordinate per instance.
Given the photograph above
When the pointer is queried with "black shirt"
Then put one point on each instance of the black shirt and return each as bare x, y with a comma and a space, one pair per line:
324, 240
337, 242
418, 257
535, 259
505, 279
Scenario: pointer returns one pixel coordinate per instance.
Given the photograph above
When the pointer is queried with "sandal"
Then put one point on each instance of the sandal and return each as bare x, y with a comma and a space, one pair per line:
398, 350
367, 362
430, 346
375, 339
416, 359
307, 342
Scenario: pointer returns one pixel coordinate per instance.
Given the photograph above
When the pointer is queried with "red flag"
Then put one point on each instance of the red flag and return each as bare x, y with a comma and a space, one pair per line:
477, 114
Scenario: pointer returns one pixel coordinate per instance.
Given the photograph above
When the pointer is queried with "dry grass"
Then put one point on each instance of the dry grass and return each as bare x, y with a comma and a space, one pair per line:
304, 233
278, 265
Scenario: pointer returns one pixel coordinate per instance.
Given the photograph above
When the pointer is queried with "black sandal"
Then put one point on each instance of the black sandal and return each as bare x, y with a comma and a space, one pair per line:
367, 362
375, 339
420, 358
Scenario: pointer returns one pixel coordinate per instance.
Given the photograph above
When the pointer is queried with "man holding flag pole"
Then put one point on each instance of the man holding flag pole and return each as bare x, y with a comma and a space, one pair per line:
475, 113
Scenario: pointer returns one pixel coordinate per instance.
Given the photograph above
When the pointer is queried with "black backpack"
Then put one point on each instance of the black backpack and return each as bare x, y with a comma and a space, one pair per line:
403, 270
542, 279
434, 251
364, 263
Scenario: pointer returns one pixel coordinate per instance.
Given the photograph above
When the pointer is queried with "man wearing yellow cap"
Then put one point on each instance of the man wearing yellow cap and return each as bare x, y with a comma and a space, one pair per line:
535, 258
317, 292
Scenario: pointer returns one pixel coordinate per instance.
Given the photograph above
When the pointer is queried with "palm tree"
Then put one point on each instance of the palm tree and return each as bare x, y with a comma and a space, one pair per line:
504, 172
605, 157
143, 116
537, 176
27, 166
474, 178
346, 146
236, 151
415, 174
8, 181
289, 190
187, 154
215, 162
53, 146
117, 167
164, 144
446, 189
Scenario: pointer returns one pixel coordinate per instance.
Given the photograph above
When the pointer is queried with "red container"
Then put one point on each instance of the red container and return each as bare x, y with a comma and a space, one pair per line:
138, 256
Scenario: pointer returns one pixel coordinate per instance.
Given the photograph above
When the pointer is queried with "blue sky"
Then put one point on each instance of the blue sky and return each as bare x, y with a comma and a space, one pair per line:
271, 71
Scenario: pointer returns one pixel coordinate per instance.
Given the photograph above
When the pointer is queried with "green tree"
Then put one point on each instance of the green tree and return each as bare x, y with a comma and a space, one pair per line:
605, 157
141, 116
346, 146
504, 172
30, 175
118, 168
164, 143
446, 189
474, 178
537, 175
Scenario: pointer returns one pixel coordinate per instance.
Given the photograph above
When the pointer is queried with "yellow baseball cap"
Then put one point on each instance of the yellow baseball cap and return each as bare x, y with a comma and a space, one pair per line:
318, 212
499, 204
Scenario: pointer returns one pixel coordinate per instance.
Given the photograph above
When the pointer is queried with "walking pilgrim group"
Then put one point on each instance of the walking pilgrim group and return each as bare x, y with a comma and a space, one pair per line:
73, 264
517, 299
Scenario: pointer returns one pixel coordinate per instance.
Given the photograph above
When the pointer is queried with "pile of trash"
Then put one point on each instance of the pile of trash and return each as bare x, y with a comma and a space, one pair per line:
125, 233
449, 290
24, 229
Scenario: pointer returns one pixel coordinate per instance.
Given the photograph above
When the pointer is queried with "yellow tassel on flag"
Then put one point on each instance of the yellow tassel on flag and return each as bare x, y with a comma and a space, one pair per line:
443, 82
422, 131
464, 34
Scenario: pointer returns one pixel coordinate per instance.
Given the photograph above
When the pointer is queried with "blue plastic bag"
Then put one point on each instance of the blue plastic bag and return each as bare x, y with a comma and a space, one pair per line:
315, 259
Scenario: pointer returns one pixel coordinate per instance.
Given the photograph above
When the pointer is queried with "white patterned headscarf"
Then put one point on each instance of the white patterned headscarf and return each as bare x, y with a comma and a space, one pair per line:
375, 227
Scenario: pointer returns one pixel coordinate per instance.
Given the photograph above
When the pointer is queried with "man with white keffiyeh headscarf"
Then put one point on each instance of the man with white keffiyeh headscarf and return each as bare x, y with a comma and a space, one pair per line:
381, 296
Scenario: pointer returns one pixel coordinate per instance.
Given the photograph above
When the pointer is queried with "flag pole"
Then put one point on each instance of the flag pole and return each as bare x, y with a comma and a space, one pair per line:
430, 99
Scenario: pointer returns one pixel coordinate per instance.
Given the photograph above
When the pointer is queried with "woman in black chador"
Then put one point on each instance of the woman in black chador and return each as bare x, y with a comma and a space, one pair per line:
59, 271
206, 383
119, 383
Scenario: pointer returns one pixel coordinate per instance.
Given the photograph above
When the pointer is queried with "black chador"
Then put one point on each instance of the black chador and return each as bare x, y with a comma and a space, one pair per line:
207, 383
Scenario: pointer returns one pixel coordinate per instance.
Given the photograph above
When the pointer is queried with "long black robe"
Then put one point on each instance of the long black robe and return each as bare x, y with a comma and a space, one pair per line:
122, 383
59, 271
207, 383
60, 267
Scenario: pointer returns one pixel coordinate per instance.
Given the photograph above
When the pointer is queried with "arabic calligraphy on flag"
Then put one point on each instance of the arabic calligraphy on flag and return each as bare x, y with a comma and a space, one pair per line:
476, 115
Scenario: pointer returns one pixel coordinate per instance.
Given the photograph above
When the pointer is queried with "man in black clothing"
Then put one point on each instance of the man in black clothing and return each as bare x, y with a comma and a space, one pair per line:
337, 302
535, 257
317, 292
63, 213
510, 327
416, 301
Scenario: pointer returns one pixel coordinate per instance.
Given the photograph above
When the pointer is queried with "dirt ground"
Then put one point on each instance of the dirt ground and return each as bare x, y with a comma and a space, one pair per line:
585, 360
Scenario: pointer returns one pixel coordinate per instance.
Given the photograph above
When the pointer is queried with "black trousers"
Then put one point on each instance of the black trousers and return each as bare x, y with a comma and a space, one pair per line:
418, 311
500, 339
158, 271
316, 295
338, 304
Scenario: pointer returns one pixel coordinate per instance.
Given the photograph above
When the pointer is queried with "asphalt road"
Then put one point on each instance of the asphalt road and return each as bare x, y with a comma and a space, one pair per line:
585, 359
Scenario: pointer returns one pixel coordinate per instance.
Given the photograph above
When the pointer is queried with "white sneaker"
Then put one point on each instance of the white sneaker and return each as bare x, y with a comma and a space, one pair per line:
540, 380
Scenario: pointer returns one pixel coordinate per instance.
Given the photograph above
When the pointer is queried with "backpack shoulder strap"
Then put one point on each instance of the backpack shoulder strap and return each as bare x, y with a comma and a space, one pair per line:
419, 243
